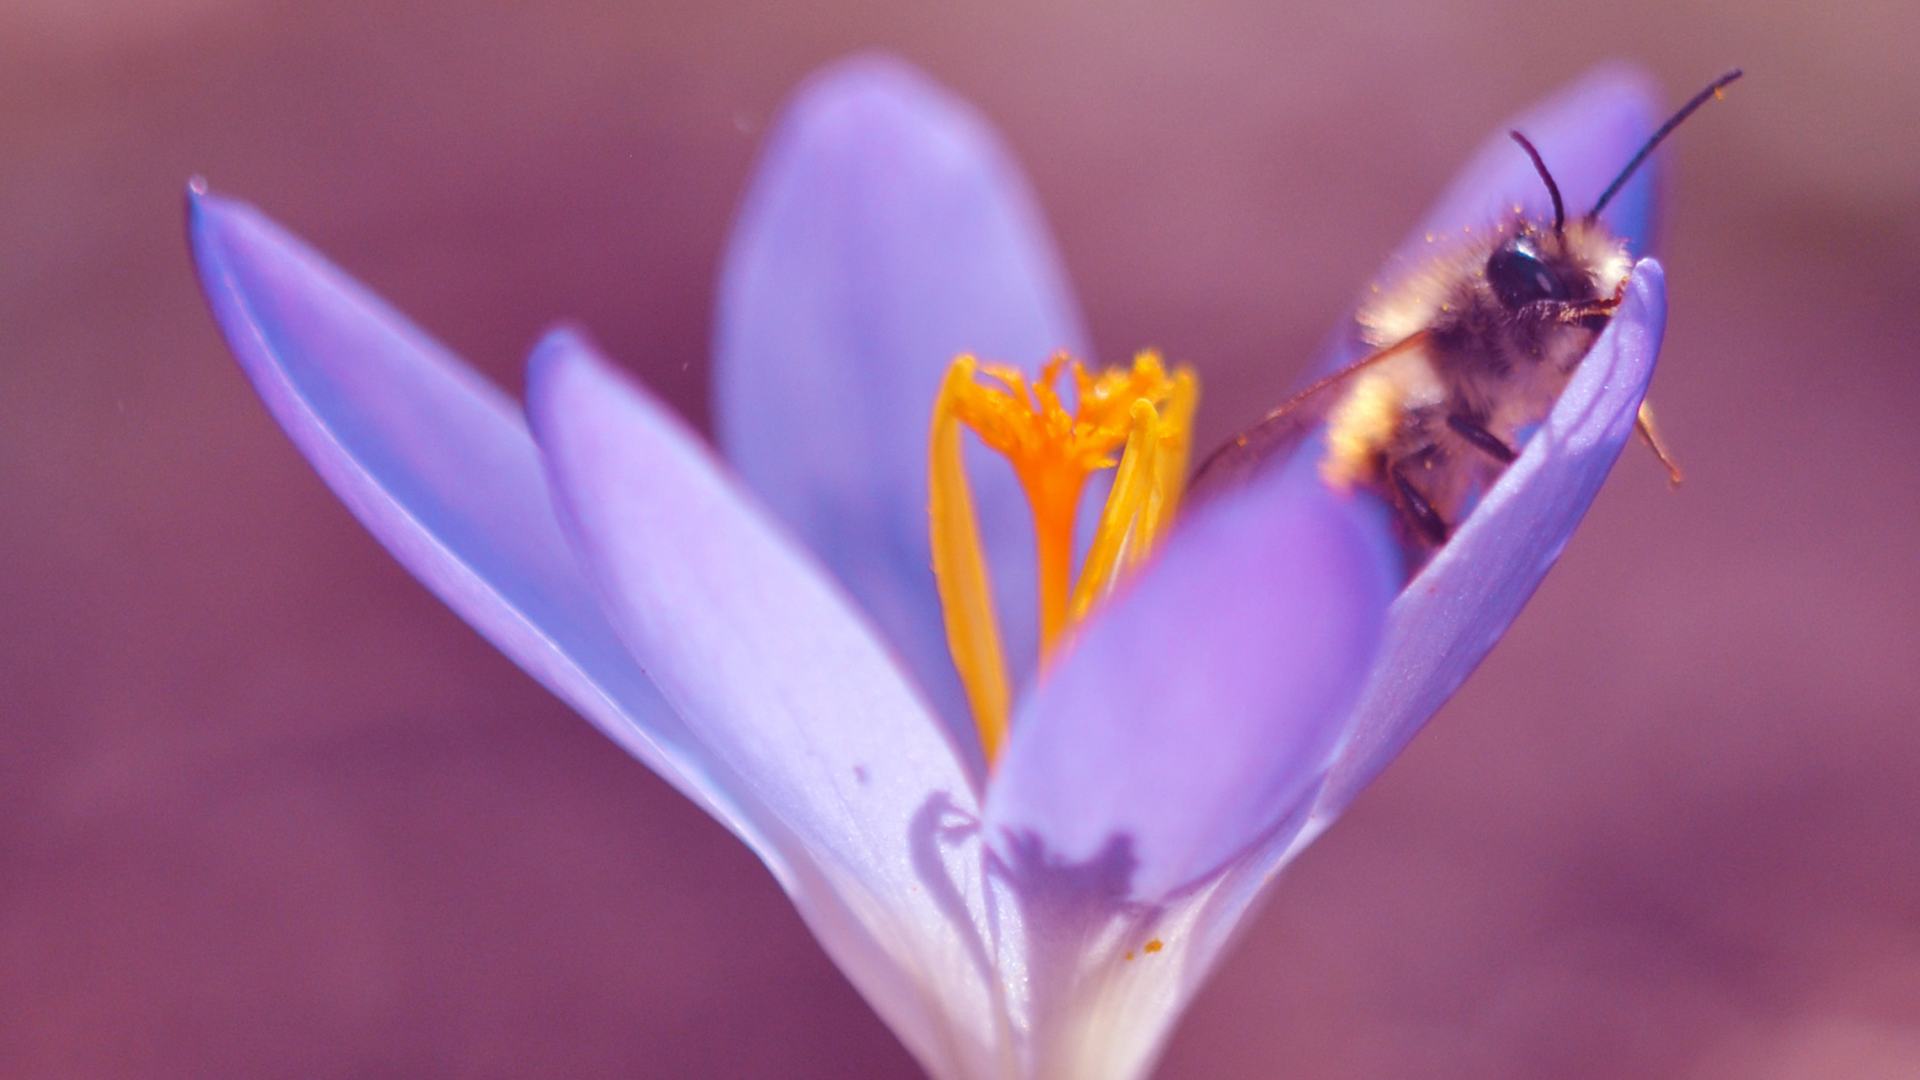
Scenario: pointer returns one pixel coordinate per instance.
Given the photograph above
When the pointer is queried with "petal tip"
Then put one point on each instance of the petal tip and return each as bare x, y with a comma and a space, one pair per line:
226, 236
1650, 280
872, 96
562, 355
870, 76
569, 377
199, 203
227, 240
1647, 289
1645, 309
561, 340
207, 211
1619, 78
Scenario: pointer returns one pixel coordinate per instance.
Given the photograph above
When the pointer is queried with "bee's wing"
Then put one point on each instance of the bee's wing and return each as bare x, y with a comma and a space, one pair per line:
1277, 433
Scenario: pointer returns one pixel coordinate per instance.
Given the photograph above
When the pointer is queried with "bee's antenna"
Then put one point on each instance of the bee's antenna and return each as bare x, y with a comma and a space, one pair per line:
1553, 189
1712, 91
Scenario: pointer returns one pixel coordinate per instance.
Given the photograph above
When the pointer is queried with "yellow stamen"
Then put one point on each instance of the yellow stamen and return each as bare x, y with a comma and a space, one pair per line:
966, 598
1126, 505
1170, 464
1142, 409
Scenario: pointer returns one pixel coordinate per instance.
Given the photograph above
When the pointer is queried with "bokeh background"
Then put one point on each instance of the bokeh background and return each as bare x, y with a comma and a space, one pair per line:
267, 809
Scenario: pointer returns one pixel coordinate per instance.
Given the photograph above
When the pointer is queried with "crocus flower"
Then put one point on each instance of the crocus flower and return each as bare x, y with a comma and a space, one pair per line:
765, 633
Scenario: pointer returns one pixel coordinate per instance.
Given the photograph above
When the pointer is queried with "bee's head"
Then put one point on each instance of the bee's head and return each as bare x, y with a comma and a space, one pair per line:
1521, 272
1574, 263
1532, 266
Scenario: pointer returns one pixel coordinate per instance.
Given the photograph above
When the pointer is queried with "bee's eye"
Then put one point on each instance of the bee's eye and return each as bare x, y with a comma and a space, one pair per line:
1519, 275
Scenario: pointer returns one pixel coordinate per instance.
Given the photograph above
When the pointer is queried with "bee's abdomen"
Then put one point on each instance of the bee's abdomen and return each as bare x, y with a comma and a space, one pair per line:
1372, 417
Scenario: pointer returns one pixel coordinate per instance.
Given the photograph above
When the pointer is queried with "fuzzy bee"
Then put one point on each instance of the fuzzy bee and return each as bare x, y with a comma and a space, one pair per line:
1470, 351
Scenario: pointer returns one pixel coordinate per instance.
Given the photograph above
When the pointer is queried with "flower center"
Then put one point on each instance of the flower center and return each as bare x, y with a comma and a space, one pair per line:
1143, 413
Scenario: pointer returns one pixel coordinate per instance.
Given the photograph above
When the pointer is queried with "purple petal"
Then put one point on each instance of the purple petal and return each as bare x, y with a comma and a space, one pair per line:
1449, 616
438, 465
885, 232
1585, 133
1194, 713
775, 671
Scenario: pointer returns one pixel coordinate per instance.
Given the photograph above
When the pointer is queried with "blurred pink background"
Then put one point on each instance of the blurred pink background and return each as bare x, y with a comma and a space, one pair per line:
267, 808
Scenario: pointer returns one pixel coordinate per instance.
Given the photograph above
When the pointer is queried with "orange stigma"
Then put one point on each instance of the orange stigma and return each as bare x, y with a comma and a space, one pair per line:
1142, 413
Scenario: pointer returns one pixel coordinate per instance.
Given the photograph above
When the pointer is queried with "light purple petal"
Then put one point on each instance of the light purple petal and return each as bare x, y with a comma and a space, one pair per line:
439, 467
1196, 711
1449, 616
1586, 133
771, 667
886, 231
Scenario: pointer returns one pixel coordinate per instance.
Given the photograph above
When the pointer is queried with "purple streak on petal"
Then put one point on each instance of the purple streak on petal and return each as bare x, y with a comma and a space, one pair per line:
775, 670
438, 465
1449, 616
886, 231
1197, 710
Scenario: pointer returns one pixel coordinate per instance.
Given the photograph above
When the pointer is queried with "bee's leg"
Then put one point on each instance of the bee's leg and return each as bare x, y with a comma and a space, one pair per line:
1415, 509
1483, 440
1649, 434
1591, 311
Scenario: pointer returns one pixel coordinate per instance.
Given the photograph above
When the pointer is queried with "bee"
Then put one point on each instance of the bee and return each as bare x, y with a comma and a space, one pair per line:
1469, 351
